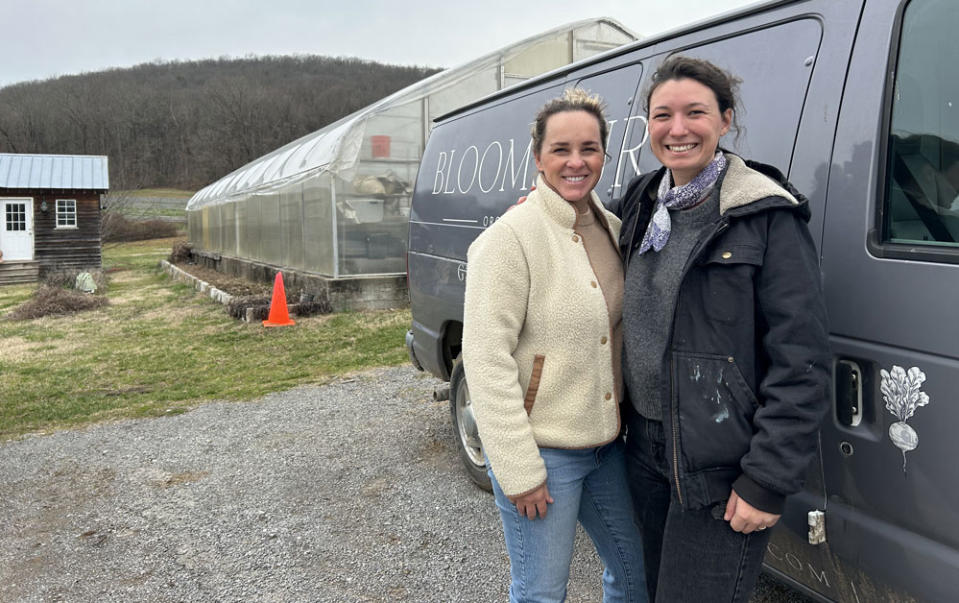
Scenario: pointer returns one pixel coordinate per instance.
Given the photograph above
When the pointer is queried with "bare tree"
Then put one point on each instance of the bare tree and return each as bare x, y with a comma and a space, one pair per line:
184, 124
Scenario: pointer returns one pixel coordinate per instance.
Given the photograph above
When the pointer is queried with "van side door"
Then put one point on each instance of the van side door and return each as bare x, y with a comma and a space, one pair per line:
891, 268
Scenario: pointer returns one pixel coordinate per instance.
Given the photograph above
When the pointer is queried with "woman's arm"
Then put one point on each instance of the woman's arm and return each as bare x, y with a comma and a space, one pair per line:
794, 391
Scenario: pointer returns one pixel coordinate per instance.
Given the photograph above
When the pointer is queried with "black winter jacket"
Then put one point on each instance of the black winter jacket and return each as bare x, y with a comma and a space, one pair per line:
749, 357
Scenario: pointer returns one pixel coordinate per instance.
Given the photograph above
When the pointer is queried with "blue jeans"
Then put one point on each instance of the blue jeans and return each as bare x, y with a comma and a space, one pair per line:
588, 485
691, 554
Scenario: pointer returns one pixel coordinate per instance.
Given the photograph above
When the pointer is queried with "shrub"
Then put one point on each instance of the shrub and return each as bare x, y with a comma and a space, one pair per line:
59, 276
182, 252
117, 227
51, 301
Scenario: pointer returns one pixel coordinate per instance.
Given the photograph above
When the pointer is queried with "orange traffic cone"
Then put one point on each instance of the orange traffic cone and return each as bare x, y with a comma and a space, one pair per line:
279, 315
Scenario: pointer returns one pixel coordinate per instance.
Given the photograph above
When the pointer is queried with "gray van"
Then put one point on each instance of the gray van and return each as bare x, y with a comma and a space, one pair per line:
857, 101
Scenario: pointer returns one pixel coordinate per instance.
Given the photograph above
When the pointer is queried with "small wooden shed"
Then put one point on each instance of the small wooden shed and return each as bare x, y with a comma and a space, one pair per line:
50, 213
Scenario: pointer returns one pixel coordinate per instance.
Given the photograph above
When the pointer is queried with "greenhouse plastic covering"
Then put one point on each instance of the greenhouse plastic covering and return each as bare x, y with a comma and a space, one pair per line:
336, 202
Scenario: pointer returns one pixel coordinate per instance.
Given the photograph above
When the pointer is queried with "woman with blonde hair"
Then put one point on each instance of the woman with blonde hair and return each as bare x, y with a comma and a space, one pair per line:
542, 340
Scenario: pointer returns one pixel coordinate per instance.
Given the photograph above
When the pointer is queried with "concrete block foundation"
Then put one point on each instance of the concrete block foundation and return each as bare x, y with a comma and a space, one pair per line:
377, 292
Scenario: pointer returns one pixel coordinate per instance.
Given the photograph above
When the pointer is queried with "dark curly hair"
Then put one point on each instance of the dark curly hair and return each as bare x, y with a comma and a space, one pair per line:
723, 84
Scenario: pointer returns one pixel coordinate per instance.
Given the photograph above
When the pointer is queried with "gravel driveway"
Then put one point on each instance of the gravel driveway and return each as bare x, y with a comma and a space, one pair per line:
346, 492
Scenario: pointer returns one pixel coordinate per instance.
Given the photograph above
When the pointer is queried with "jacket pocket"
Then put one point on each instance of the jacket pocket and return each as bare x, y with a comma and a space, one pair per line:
533, 386
727, 281
715, 410
736, 253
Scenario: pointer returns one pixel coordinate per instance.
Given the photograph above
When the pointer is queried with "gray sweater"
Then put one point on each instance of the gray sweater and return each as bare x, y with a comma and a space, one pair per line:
652, 286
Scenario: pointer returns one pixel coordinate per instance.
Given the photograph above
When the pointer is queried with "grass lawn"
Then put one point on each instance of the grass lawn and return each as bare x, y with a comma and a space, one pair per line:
150, 203
149, 213
161, 192
161, 348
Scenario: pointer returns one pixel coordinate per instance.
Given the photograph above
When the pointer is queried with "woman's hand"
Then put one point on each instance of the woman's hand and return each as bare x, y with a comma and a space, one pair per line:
529, 504
745, 518
523, 199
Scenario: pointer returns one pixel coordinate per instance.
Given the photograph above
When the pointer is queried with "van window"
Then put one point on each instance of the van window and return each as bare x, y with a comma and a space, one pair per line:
921, 204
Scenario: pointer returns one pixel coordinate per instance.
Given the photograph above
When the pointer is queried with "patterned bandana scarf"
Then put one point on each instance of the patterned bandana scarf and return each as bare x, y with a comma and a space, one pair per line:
679, 197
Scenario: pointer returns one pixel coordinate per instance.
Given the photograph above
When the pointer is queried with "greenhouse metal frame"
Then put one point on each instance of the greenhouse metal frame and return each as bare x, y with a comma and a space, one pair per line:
335, 203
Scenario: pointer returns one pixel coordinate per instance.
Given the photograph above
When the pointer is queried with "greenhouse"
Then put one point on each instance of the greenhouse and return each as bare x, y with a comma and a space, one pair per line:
335, 203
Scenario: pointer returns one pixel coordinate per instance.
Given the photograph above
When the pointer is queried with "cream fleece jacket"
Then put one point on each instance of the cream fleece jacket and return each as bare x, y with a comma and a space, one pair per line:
537, 339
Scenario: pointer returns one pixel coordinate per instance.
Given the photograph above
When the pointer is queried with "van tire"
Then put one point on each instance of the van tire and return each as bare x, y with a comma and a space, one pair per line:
464, 428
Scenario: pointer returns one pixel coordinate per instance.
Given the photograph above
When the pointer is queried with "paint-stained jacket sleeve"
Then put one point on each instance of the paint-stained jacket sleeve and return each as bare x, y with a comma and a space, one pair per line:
497, 293
794, 390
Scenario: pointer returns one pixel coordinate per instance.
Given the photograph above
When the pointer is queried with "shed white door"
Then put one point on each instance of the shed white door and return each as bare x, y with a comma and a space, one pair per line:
16, 229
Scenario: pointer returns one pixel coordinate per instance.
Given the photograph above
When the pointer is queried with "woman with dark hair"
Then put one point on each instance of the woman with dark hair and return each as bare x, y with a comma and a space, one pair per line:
542, 340
726, 359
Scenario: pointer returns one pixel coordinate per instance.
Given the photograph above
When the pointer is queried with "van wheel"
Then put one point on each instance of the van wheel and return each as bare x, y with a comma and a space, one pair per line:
464, 427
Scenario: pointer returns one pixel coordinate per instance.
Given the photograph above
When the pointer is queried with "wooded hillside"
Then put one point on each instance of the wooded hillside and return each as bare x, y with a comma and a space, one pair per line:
186, 124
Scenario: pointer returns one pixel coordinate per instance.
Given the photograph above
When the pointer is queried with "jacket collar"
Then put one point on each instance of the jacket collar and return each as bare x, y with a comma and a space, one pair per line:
560, 210
742, 185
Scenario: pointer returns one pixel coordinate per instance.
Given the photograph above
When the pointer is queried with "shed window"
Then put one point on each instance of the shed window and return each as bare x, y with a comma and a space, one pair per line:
16, 218
66, 213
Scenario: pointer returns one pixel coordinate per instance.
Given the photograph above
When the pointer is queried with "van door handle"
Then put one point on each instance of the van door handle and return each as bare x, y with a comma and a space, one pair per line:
848, 393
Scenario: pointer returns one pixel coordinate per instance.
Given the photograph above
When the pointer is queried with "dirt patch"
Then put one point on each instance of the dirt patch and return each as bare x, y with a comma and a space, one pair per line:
186, 477
233, 285
256, 295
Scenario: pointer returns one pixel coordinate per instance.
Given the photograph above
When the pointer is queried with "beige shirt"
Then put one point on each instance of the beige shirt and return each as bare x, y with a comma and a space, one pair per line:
608, 265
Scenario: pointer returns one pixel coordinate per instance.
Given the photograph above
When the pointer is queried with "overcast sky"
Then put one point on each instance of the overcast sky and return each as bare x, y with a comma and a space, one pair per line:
48, 38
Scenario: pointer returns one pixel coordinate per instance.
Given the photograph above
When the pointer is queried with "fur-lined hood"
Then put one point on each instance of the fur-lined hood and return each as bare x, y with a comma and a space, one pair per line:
747, 182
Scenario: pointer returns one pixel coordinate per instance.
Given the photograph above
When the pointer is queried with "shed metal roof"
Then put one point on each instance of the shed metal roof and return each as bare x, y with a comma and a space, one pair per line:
78, 172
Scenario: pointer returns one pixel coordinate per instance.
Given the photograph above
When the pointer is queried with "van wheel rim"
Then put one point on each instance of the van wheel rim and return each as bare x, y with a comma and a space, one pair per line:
466, 424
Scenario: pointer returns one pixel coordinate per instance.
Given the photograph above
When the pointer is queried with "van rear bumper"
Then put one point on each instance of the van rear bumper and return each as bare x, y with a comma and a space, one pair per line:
409, 348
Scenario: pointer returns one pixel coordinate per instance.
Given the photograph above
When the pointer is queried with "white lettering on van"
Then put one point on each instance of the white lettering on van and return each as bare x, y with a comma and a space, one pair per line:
609, 136
438, 182
469, 170
820, 576
499, 165
794, 561
524, 170
459, 172
447, 190
508, 169
631, 151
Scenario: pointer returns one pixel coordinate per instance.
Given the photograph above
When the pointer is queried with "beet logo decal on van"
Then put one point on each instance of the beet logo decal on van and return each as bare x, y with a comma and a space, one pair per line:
900, 390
